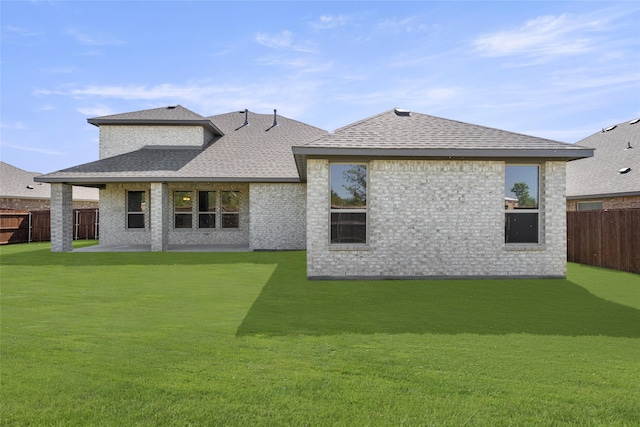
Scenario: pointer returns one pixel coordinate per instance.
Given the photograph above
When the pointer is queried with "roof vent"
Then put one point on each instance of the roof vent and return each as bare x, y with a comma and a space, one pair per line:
629, 147
275, 118
609, 128
171, 107
30, 187
634, 121
624, 170
401, 112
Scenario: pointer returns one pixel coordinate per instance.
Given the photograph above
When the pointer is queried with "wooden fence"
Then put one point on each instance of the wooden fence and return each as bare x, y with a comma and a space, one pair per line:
605, 238
34, 226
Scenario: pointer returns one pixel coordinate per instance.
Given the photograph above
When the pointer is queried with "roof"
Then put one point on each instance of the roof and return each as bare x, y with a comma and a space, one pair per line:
174, 115
16, 183
401, 133
599, 176
256, 152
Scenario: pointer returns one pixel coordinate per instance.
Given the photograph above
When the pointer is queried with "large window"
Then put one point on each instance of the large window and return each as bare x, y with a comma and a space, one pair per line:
230, 203
348, 184
206, 209
522, 204
135, 209
182, 208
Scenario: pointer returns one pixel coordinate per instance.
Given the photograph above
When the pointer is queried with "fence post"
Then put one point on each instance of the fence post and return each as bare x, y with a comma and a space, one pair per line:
95, 232
30, 224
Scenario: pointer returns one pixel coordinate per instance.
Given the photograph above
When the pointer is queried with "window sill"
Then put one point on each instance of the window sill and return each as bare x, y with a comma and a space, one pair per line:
347, 247
524, 247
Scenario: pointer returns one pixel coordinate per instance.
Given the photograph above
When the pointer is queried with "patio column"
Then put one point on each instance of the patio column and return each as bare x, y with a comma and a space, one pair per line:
61, 217
159, 217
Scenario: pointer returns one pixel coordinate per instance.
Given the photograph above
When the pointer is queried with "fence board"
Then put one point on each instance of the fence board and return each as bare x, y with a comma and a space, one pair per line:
14, 226
605, 238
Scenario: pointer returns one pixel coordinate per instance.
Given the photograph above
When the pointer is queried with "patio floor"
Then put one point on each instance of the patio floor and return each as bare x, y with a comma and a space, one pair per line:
172, 248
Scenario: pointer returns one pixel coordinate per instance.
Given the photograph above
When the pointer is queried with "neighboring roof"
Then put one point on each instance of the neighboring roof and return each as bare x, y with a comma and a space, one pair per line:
257, 152
175, 115
16, 183
400, 133
599, 176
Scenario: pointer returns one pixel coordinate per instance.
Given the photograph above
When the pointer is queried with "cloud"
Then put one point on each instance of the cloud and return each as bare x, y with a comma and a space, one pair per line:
326, 22
13, 126
94, 40
22, 31
33, 149
406, 25
96, 110
542, 37
281, 41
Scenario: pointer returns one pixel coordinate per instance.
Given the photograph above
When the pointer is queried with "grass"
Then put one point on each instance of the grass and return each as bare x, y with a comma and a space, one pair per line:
154, 339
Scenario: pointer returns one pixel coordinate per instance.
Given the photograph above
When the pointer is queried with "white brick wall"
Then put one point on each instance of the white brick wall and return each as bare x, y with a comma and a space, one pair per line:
436, 218
61, 218
278, 216
120, 139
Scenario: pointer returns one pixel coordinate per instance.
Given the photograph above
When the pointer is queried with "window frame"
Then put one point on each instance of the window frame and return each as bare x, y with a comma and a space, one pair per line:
141, 212
537, 210
208, 212
185, 214
587, 205
364, 211
224, 214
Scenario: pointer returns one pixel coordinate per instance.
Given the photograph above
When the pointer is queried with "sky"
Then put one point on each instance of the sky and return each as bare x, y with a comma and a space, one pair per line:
557, 70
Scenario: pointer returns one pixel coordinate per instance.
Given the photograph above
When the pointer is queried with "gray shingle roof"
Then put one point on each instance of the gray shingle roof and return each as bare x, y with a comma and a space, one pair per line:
408, 134
171, 115
14, 182
599, 175
258, 152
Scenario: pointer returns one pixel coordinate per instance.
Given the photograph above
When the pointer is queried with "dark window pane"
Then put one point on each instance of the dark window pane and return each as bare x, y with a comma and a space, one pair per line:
230, 220
183, 221
207, 201
207, 221
230, 201
135, 221
348, 186
521, 187
182, 201
135, 201
521, 228
348, 227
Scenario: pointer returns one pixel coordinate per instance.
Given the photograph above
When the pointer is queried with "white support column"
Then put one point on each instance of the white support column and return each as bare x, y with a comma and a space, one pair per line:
159, 217
61, 217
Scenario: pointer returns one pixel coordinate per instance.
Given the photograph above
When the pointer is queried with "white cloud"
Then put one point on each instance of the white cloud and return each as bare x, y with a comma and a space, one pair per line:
281, 41
94, 40
33, 149
409, 25
22, 31
542, 37
96, 111
326, 22
13, 126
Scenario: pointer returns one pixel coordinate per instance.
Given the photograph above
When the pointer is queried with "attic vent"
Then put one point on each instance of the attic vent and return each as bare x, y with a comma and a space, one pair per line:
609, 128
171, 107
401, 112
634, 121
624, 170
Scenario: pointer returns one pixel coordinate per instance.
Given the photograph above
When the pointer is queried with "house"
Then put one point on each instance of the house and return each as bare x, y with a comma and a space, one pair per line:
18, 191
611, 178
399, 194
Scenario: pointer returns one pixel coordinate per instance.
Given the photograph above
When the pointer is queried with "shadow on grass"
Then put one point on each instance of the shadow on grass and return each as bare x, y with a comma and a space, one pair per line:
484, 307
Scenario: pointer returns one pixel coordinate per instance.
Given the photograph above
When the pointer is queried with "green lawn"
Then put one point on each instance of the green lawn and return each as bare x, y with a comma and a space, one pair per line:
153, 339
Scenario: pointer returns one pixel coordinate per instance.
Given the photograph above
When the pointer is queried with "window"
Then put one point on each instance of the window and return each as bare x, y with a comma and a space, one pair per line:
135, 209
230, 204
348, 183
522, 213
589, 206
206, 209
182, 208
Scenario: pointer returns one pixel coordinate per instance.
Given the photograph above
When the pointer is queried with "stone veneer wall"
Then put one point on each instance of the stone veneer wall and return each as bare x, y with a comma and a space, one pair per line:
278, 216
436, 219
113, 216
120, 139
61, 218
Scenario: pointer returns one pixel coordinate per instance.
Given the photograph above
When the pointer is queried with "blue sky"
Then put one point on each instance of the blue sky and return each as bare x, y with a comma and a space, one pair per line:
558, 70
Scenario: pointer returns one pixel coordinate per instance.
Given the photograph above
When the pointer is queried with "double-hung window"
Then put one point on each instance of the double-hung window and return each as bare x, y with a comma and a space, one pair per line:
522, 204
135, 209
206, 209
182, 208
348, 184
230, 204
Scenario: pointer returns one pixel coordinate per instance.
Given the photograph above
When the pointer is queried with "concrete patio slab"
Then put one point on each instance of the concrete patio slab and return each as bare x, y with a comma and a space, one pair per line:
172, 248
